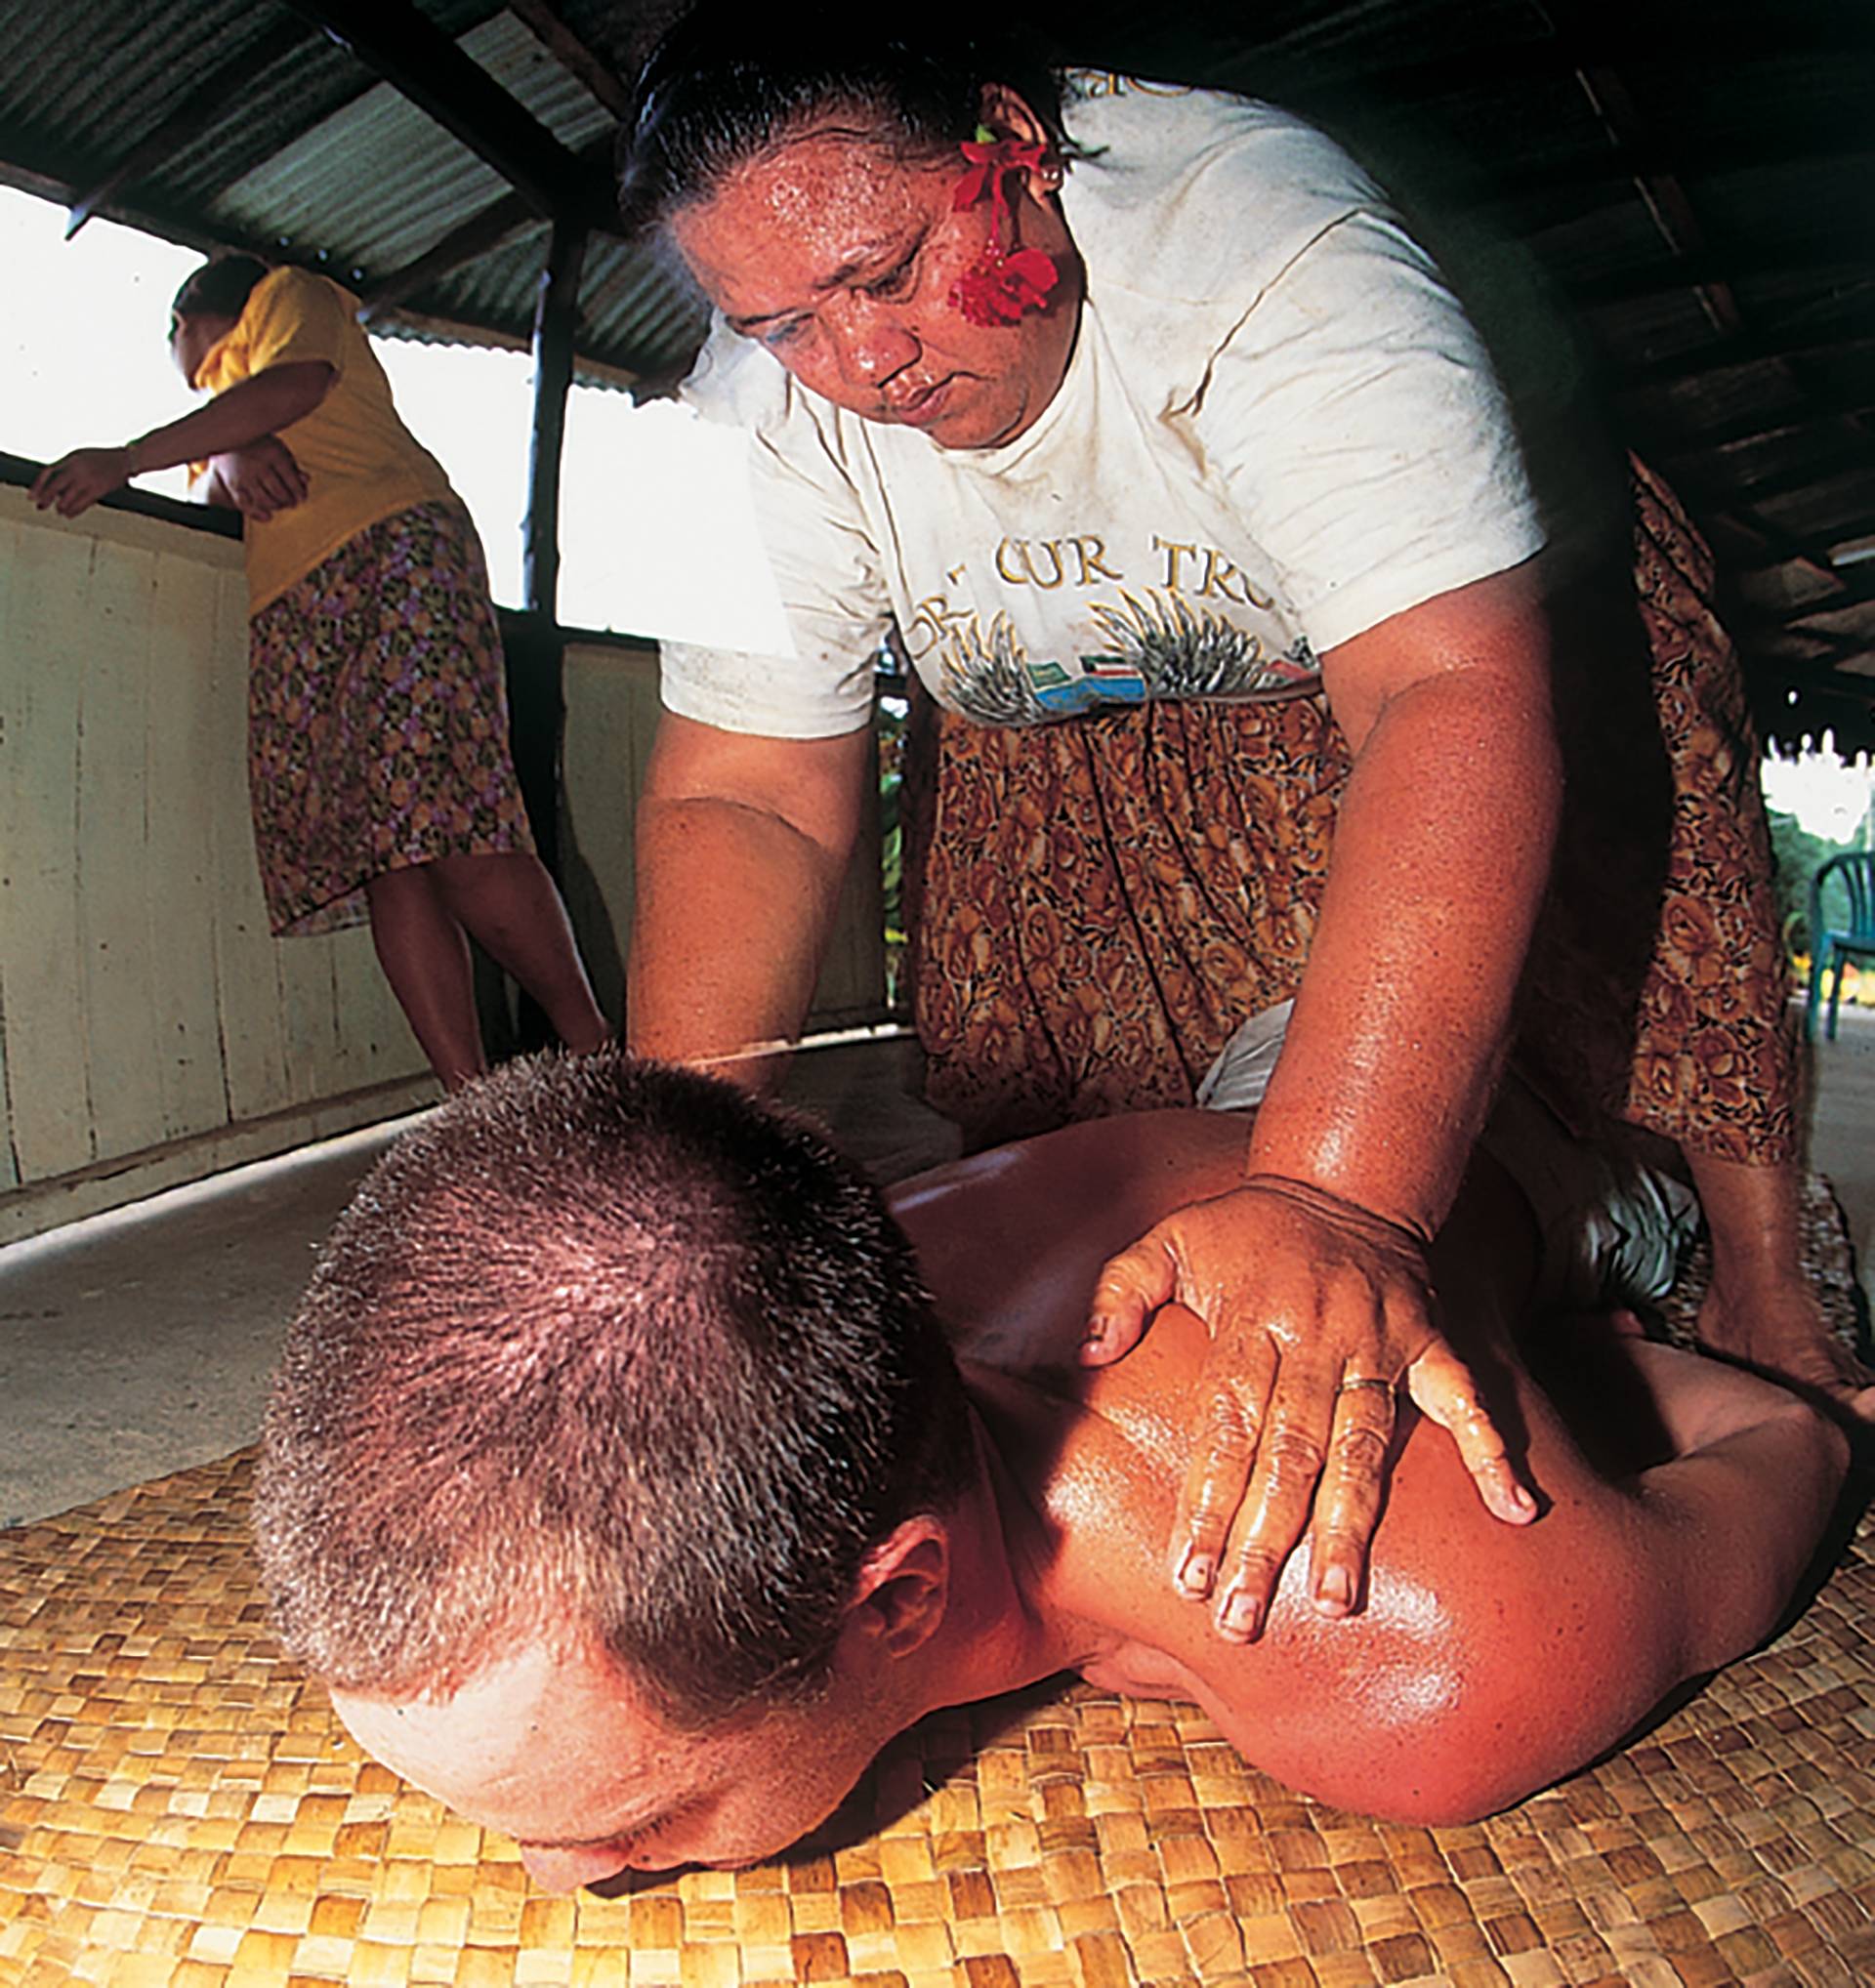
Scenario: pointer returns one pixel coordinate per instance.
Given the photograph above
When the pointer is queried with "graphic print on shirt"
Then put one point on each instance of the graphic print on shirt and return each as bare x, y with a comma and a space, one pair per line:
1173, 640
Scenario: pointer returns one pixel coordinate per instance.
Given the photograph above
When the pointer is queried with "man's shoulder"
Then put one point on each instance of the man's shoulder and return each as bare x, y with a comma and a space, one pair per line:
1012, 1240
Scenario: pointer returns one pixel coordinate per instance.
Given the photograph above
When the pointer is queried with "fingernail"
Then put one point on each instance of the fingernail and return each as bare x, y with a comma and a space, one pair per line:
1196, 1572
1523, 1502
1335, 1595
1242, 1614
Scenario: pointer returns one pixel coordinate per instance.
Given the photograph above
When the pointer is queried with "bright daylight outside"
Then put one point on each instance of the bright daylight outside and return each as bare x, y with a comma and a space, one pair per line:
84, 359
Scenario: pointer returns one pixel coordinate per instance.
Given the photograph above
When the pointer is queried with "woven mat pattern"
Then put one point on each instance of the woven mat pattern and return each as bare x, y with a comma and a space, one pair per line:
180, 1809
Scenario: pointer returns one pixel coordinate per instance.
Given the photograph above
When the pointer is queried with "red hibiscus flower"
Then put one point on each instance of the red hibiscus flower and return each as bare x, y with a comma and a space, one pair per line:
1003, 283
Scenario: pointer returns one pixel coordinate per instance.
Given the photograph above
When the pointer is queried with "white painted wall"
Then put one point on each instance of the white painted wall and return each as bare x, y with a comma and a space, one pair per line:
152, 1030
611, 715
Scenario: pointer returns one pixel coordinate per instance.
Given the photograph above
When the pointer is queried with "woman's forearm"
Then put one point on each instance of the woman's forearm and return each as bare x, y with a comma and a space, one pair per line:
1440, 859
741, 849
250, 409
731, 915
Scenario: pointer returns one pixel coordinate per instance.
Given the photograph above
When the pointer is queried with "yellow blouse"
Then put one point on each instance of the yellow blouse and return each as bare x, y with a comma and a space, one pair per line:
361, 464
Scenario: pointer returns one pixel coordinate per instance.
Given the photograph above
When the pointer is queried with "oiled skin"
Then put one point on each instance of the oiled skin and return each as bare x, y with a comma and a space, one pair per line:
1487, 1660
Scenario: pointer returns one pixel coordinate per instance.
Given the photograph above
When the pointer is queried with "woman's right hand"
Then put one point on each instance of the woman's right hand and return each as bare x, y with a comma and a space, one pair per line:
261, 478
75, 482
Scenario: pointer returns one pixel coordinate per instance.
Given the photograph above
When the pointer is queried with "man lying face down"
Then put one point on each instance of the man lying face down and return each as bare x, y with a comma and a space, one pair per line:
629, 1493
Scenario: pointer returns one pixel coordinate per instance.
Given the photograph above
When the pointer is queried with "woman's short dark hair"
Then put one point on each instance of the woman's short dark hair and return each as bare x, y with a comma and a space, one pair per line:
607, 1355
220, 288
727, 82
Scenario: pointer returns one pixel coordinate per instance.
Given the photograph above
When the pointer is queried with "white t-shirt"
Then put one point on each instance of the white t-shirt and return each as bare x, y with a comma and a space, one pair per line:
1277, 429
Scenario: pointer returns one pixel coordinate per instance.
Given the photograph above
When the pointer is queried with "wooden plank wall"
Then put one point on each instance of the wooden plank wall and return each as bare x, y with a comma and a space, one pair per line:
611, 715
150, 1028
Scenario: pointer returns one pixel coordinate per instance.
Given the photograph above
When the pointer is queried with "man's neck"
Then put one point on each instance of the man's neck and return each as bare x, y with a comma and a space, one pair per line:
999, 1633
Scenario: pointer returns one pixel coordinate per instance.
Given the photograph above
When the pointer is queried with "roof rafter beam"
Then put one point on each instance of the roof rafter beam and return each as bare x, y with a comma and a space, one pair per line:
1828, 651
479, 235
1774, 558
1857, 597
548, 27
1711, 271
1770, 424
1810, 674
194, 115
419, 60
1650, 158
1841, 458
1594, 41
1733, 354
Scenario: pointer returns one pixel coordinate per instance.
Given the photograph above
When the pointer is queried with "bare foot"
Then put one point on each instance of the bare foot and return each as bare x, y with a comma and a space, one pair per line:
1781, 1332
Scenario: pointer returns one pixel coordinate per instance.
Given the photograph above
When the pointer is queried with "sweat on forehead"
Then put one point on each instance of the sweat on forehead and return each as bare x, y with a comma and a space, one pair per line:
725, 83
809, 174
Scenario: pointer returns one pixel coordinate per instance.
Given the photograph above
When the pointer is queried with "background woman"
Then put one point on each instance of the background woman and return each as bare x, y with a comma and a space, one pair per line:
378, 767
1137, 408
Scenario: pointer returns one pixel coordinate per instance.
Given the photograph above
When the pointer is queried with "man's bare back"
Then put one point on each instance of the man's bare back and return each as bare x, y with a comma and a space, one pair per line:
1475, 1643
606, 1358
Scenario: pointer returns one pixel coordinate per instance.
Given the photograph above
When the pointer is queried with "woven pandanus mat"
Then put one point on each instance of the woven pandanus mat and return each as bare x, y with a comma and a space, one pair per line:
180, 1809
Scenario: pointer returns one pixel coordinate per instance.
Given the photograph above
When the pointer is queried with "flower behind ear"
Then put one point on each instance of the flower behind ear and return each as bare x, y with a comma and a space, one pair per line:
1001, 284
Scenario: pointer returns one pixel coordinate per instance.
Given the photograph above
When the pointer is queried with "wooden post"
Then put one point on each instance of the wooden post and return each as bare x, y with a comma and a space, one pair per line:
532, 638
554, 323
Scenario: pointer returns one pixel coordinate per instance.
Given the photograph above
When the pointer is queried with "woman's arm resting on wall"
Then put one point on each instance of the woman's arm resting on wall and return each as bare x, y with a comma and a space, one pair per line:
1312, 1275
742, 848
249, 410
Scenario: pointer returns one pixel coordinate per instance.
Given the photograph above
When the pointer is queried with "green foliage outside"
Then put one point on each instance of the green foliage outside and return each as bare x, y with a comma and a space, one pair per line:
1798, 854
890, 724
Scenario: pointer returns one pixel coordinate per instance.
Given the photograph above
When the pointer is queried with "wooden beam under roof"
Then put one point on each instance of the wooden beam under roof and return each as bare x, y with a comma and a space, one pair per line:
1853, 453
1854, 598
1765, 425
576, 57
469, 240
1814, 560
1602, 37
196, 113
1734, 354
1722, 268
1687, 154
422, 64
1807, 674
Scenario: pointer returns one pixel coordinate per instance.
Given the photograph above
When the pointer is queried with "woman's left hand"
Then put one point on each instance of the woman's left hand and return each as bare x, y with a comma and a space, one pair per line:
1319, 1312
261, 479
75, 482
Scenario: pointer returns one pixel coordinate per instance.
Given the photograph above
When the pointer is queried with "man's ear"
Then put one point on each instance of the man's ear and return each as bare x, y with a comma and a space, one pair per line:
903, 1588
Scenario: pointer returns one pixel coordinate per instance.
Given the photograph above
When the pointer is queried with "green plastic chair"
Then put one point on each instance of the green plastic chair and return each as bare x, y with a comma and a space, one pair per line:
1830, 945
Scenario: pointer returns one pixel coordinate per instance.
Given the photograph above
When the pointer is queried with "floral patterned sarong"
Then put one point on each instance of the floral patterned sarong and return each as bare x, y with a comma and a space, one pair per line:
1096, 905
378, 719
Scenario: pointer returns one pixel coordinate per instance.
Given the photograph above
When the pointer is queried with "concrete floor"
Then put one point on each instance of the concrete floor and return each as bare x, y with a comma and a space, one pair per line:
140, 1342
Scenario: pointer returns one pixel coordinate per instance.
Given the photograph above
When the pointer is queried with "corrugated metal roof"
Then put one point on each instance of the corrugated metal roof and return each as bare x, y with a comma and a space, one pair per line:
1692, 188
421, 183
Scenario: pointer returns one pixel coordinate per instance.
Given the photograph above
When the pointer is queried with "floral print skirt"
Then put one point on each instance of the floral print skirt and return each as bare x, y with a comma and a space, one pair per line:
1095, 905
378, 719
